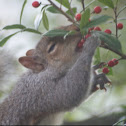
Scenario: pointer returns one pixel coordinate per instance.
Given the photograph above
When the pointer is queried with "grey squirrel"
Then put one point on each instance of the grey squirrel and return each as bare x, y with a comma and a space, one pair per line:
57, 81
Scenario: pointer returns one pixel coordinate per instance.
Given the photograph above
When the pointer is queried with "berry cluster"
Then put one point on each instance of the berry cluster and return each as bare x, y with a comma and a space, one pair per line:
97, 10
111, 63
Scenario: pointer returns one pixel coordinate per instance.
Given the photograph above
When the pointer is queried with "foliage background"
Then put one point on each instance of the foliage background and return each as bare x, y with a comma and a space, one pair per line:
100, 103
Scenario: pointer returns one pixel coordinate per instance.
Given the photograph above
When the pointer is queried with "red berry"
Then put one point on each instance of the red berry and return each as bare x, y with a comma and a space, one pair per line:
111, 63
36, 4
97, 29
87, 36
108, 31
78, 17
120, 26
97, 9
115, 61
80, 44
105, 70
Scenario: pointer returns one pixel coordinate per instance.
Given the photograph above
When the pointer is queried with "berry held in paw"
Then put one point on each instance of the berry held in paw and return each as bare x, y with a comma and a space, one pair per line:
105, 70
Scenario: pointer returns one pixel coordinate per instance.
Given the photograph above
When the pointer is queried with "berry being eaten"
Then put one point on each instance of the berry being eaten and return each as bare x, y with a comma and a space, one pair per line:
36, 4
120, 26
97, 9
78, 17
80, 44
105, 70
108, 31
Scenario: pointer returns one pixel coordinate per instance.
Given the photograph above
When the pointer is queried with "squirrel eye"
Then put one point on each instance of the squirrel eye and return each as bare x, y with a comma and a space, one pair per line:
51, 48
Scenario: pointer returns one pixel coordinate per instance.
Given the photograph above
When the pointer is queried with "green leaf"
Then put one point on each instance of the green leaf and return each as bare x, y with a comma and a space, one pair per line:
108, 3
25, 1
3, 41
69, 33
44, 7
65, 3
45, 20
52, 9
110, 73
110, 40
85, 18
32, 30
97, 56
15, 26
37, 21
74, 11
56, 32
97, 20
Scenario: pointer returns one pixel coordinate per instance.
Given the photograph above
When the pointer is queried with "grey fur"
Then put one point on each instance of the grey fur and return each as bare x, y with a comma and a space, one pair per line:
49, 92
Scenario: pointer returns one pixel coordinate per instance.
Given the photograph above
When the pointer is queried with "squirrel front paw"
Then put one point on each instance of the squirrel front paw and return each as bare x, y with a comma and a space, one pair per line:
101, 80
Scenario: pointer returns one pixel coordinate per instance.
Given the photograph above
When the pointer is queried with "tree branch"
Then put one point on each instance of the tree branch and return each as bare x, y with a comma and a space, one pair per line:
109, 48
66, 15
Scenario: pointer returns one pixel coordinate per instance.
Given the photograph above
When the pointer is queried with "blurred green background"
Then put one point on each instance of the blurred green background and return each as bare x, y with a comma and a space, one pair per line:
100, 103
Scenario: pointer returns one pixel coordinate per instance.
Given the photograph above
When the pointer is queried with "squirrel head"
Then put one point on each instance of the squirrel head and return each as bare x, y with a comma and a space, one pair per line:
55, 52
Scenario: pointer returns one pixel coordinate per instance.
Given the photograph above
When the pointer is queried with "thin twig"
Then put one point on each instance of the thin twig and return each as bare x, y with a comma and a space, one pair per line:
83, 5
71, 11
66, 15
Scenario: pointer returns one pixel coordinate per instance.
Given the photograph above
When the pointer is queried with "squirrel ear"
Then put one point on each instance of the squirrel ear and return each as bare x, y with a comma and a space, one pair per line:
30, 63
30, 52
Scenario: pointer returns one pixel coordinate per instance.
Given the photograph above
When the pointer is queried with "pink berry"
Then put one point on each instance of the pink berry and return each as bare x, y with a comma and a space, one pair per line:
111, 63
105, 70
97, 29
108, 31
87, 36
115, 61
120, 26
82, 41
97, 9
78, 17
36, 4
